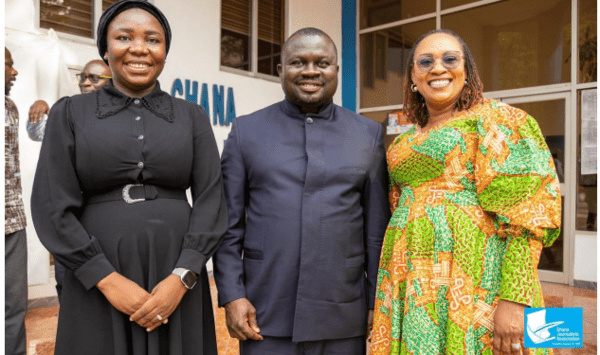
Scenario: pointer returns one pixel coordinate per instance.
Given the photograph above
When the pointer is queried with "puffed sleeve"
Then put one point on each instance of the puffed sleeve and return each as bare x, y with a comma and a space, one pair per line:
56, 201
208, 220
229, 270
517, 182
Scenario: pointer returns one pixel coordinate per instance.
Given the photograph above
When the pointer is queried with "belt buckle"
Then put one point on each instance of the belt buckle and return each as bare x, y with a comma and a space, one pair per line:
128, 198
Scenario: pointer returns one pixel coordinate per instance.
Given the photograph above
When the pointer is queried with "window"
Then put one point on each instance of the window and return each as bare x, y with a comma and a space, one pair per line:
379, 12
76, 17
446, 4
383, 56
252, 35
517, 43
587, 41
551, 117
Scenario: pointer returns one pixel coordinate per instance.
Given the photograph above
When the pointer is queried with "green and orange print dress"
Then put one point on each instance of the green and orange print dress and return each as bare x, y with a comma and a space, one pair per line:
473, 202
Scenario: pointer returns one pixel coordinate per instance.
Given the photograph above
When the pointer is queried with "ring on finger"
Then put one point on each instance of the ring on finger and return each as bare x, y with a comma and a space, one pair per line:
515, 346
159, 317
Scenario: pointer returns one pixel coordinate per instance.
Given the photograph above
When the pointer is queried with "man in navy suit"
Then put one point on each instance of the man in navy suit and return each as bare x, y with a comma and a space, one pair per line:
306, 185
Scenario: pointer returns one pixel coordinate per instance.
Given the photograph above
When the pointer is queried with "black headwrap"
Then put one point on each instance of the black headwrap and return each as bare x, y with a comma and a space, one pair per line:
121, 6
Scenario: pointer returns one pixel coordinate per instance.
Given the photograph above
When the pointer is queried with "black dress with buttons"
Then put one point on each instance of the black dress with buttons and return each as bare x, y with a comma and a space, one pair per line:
95, 144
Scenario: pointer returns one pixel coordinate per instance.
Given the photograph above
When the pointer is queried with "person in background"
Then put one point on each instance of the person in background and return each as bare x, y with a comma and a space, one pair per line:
94, 76
306, 187
475, 198
15, 238
109, 202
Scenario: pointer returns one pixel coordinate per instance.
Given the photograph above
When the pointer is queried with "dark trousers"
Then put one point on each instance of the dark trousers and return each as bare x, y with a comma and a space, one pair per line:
15, 292
285, 346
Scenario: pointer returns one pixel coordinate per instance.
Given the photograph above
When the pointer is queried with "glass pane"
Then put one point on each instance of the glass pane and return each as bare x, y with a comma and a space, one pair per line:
379, 12
446, 4
377, 116
551, 117
383, 61
587, 163
69, 16
393, 123
270, 35
587, 41
235, 33
517, 43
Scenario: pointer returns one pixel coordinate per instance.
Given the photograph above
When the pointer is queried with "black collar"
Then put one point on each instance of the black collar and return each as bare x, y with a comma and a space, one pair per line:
110, 101
294, 111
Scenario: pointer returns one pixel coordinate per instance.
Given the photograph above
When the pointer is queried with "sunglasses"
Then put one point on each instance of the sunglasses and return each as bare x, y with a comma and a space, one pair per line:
450, 60
93, 77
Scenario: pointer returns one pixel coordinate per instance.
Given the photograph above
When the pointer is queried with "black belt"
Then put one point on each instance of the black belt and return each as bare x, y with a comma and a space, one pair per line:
134, 193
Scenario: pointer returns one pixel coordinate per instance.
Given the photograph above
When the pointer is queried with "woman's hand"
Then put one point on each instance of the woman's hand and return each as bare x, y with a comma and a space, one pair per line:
165, 297
370, 316
508, 328
122, 293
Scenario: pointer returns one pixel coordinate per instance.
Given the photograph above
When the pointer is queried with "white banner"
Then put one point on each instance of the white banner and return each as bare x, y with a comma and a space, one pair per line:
43, 74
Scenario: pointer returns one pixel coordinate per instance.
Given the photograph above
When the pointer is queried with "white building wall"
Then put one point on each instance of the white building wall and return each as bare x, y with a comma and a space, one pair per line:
325, 15
586, 257
194, 55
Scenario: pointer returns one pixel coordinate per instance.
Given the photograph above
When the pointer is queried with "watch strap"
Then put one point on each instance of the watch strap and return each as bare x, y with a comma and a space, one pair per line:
183, 276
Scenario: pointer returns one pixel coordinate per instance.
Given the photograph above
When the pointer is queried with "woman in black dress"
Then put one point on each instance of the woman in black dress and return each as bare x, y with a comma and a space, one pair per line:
109, 202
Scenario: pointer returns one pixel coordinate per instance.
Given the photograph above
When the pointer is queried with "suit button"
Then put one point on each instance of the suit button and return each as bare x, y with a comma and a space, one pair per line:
309, 120
140, 137
137, 118
140, 165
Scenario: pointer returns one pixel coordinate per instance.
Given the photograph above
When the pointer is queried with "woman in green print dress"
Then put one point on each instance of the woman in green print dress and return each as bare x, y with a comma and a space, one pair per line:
474, 197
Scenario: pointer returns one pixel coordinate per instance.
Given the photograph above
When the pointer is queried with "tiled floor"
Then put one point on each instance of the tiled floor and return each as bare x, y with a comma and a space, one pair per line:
556, 295
41, 322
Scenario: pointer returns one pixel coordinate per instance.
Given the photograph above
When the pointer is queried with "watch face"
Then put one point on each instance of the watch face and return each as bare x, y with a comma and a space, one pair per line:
189, 278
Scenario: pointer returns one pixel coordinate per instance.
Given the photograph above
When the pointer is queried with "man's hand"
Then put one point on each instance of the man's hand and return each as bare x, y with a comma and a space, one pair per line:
37, 110
241, 320
508, 327
370, 324
122, 293
164, 299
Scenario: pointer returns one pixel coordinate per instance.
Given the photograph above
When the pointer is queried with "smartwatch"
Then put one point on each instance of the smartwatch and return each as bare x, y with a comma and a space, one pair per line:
188, 277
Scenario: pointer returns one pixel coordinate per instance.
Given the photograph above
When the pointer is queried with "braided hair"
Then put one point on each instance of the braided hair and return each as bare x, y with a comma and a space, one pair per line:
415, 109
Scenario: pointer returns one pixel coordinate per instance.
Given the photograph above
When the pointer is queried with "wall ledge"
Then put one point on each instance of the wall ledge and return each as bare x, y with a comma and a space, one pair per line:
588, 285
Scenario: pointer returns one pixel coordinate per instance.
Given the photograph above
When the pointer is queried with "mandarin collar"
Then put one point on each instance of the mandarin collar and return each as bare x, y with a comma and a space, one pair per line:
110, 101
294, 111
